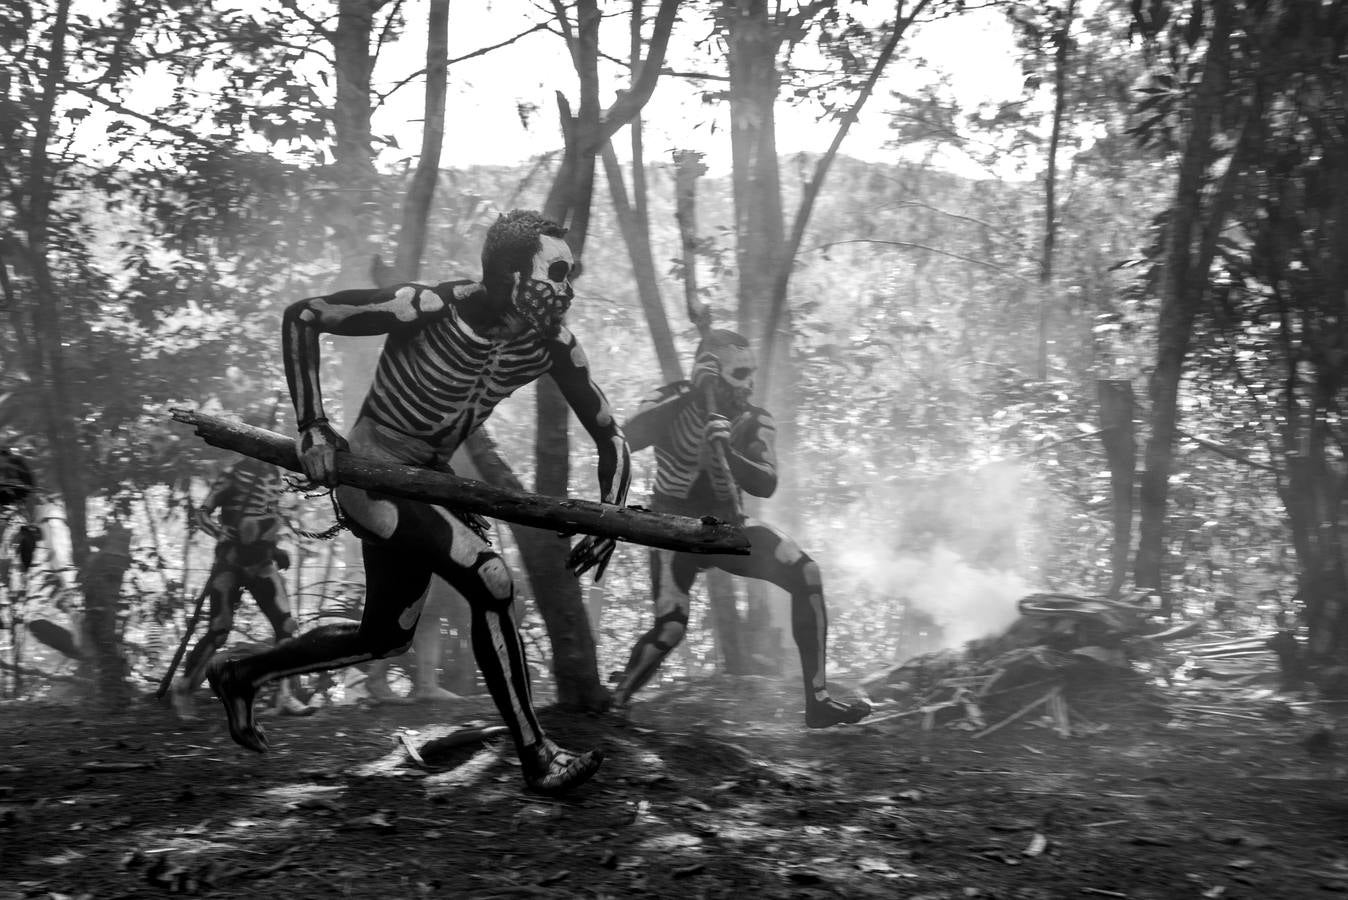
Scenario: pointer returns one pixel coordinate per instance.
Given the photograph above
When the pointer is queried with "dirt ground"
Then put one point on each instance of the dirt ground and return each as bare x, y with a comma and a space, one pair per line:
715, 789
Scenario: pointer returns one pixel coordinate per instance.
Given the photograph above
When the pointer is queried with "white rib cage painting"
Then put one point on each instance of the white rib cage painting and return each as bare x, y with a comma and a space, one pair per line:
441, 382
678, 461
256, 492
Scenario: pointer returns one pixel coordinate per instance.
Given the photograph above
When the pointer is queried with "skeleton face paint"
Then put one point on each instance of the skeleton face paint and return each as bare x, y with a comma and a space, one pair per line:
738, 366
544, 295
727, 358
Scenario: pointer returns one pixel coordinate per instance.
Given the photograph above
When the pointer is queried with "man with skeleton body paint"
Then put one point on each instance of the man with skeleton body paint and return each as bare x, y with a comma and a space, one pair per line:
247, 497
692, 480
453, 352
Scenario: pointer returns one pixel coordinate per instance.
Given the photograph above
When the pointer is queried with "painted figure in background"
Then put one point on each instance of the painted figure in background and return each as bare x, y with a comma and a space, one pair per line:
248, 557
452, 353
711, 443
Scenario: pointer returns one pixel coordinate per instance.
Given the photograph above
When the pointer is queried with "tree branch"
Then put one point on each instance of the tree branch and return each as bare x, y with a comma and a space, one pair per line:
481, 51
630, 103
822, 165
294, 8
184, 133
385, 31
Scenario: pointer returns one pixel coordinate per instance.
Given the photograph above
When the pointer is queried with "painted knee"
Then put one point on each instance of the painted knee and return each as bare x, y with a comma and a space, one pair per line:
807, 583
498, 587
809, 572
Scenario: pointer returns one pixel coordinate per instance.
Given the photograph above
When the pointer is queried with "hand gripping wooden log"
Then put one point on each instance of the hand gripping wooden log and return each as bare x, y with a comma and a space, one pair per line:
628, 523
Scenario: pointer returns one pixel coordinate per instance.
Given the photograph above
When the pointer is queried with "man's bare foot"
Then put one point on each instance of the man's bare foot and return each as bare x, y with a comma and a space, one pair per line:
549, 769
237, 696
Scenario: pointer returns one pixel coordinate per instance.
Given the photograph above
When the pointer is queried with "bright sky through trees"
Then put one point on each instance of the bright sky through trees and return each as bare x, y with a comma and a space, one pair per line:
501, 106
976, 52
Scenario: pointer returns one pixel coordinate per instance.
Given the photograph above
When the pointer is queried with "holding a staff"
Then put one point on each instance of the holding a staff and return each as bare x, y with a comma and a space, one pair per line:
710, 443
246, 497
452, 353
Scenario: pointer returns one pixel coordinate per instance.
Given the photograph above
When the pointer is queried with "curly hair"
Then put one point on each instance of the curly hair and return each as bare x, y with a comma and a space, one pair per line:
511, 244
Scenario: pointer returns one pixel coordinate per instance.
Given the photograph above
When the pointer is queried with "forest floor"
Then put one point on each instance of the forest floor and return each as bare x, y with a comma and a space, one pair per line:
714, 789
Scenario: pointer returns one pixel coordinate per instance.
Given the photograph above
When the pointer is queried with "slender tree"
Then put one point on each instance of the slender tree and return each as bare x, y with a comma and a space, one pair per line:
585, 133
1193, 225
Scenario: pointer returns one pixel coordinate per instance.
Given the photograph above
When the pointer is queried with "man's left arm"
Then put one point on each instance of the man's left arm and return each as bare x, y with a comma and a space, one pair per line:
571, 371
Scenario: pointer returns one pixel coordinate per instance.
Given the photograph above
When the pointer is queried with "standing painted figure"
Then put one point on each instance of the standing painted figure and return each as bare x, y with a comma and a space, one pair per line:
453, 352
707, 451
246, 497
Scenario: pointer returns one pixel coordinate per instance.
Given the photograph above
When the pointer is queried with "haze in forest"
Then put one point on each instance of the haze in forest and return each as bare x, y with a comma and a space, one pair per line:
1155, 230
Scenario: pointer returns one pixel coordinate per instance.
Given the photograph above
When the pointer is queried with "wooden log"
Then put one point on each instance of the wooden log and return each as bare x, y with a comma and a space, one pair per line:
639, 526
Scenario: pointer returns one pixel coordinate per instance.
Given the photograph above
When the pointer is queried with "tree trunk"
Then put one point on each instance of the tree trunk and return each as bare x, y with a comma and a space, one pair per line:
101, 578
575, 660
730, 631
636, 233
777, 326
406, 266
1117, 434
357, 183
635, 221
1185, 283
760, 246
752, 45
1060, 63
420, 193
60, 412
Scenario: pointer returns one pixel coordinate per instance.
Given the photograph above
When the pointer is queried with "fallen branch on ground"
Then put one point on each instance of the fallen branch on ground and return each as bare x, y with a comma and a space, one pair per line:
1020, 713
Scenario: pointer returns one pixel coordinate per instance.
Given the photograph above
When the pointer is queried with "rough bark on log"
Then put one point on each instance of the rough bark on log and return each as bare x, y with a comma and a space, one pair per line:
566, 515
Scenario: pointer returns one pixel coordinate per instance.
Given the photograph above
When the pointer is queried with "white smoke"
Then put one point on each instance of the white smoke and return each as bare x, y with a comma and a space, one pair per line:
967, 602
952, 547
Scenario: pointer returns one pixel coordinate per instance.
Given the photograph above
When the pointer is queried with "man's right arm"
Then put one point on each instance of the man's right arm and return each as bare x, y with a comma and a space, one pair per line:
366, 311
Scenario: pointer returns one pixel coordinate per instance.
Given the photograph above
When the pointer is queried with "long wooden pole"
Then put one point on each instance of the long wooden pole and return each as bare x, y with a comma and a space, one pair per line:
688, 168
188, 630
670, 532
